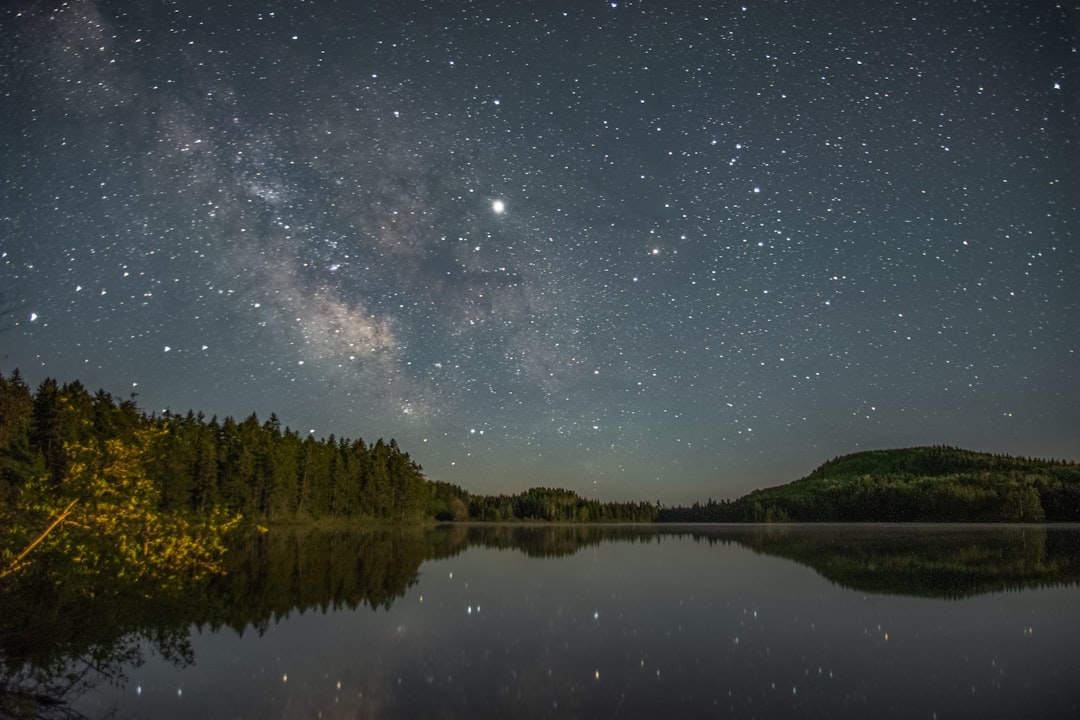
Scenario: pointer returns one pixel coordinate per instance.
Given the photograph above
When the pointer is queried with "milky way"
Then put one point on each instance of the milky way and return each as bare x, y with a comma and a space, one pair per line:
657, 251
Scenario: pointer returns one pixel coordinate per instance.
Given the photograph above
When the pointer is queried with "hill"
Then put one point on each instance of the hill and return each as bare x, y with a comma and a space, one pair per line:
923, 484
193, 467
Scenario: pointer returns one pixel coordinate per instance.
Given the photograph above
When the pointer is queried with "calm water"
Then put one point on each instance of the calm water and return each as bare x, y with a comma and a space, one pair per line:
754, 622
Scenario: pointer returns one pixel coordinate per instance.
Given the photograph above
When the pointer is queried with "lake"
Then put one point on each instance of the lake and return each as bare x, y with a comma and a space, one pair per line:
777, 621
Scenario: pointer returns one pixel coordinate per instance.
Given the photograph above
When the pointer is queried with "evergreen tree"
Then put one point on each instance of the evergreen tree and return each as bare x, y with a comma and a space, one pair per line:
18, 458
50, 428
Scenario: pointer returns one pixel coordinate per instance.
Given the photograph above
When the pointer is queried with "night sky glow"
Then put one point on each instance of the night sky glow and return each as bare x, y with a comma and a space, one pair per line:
640, 250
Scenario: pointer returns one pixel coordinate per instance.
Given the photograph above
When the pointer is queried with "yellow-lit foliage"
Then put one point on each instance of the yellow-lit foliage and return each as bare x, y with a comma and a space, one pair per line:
115, 527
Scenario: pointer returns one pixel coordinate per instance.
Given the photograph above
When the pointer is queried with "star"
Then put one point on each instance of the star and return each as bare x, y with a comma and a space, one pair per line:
711, 242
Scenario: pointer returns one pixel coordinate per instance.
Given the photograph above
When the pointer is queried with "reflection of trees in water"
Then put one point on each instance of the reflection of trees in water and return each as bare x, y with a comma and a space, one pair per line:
62, 636
556, 540
58, 640
941, 562
294, 569
947, 561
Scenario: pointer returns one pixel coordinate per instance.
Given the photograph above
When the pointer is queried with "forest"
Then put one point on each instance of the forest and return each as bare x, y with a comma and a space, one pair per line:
104, 506
167, 486
919, 484
258, 470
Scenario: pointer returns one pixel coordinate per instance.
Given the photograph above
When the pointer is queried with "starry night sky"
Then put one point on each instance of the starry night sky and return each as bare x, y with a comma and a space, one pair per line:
640, 250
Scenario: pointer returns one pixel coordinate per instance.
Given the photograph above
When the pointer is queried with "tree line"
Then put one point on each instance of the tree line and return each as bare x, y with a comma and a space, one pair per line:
921, 484
264, 472
256, 469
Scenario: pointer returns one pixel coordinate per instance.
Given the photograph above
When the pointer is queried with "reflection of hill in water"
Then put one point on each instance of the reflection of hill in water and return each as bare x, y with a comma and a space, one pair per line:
934, 561
291, 570
943, 561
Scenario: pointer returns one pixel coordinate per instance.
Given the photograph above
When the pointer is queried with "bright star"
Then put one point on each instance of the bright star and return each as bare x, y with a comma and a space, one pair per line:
498, 207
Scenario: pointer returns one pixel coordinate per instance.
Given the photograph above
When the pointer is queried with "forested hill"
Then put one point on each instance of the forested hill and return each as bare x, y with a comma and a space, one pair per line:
920, 484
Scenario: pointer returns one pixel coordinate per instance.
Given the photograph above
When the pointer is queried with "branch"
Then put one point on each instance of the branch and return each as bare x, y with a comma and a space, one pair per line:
16, 563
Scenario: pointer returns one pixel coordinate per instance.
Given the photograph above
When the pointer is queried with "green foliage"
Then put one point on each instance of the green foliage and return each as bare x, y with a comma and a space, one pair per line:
18, 458
555, 505
193, 465
110, 521
268, 473
926, 484
262, 471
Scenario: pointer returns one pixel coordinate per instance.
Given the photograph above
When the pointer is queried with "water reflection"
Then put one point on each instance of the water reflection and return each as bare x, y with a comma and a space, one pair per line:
573, 621
939, 561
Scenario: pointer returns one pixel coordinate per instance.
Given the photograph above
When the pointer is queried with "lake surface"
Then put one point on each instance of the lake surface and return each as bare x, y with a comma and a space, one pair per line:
634, 622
